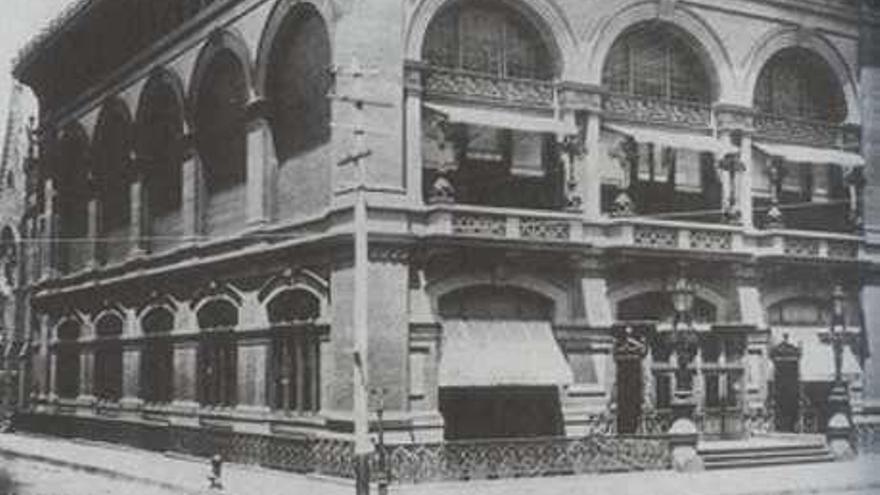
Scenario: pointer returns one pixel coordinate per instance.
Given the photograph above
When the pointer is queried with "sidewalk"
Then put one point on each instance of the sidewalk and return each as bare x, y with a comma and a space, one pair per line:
189, 476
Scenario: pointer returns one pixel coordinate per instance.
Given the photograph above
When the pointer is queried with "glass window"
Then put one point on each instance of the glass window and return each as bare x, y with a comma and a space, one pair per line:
799, 83
218, 354
157, 361
487, 37
295, 360
108, 359
653, 60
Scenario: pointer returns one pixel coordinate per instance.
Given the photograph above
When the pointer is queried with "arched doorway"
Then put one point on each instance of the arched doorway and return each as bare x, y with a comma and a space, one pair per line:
501, 367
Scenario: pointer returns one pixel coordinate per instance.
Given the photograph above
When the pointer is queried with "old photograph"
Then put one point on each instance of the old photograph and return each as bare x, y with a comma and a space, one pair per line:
435, 247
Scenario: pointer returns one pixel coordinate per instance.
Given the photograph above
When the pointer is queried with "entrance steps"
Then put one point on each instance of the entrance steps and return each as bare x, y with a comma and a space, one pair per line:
764, 451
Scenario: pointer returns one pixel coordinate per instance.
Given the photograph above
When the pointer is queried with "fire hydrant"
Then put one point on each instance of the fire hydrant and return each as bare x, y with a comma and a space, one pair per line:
215, 478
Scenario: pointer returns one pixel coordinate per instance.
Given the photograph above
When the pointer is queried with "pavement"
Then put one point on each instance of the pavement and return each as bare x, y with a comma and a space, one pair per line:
190, 475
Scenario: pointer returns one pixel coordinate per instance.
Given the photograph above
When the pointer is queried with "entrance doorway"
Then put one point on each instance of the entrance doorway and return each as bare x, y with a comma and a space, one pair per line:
629, 395
786, 386
500, 412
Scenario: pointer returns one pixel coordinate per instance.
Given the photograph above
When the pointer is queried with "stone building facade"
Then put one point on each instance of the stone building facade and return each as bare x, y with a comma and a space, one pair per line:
540, 175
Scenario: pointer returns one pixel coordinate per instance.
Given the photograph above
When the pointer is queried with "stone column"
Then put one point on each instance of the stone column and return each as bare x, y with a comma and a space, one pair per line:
185, 374
93, 247
138, 227
413, 125
131, 379
586, 102
49, 231
261, 164
745, 181
191, 194
775, 217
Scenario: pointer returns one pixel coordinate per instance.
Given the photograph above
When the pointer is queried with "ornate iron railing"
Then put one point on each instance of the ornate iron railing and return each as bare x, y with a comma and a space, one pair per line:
477, 86
482, 225
407, 463
801, 131
657, 111
493, 459
764, 421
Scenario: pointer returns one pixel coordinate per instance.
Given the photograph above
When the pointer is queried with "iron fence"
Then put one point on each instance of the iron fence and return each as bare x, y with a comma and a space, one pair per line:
406, 463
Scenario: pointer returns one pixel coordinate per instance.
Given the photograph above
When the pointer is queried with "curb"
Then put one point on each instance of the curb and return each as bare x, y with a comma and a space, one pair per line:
109, 473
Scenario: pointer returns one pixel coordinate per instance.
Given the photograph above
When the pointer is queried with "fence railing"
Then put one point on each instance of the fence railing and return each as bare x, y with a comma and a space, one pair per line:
406, 463
495, 459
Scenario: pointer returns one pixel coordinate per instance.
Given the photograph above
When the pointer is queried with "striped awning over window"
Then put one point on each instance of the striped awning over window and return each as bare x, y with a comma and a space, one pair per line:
808, 154
490, 353
680, 140
503, 119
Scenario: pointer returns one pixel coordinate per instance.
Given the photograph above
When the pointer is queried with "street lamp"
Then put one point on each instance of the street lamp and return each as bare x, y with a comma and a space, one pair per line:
839, 425
684, 340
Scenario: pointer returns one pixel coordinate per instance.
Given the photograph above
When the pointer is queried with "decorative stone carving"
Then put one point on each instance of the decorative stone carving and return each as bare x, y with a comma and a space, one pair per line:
807, 132
657, 111
483, 225
458, 84
734, 118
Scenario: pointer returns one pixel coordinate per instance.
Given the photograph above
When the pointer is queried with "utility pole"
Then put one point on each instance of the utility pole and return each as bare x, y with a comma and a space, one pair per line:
363, 447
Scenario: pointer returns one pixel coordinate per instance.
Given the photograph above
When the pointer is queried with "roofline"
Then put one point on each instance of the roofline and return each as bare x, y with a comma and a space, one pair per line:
50, 35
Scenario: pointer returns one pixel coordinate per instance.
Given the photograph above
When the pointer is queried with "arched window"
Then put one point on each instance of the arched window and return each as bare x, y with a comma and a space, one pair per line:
67, 364
799, 83
9, 261
157, 362
295, 365
160, 132
221, 140
487, 37
654, 60
658, 306
298, 82
218, 354
108, 359
111, 154
71, 181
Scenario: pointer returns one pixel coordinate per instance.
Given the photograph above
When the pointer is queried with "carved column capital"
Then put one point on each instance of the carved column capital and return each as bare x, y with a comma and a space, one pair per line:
412, 77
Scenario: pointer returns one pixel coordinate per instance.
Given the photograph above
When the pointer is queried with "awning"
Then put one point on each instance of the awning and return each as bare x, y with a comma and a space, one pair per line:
682, 140
817, 357
503, 119
808, 154
488, 353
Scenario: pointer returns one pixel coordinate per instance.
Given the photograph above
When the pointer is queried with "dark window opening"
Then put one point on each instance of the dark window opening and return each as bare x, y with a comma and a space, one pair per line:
108, 359
220, 123
218, 354
157, 361
295, 361
298, 83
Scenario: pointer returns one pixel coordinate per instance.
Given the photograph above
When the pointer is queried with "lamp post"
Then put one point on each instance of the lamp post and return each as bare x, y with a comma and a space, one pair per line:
684, 340
839, 425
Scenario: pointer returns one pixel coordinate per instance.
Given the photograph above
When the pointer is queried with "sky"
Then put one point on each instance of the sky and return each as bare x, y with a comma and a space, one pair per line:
20, 20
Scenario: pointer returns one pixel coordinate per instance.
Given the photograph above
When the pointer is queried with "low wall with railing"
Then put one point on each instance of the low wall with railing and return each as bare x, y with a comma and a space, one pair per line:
406, 463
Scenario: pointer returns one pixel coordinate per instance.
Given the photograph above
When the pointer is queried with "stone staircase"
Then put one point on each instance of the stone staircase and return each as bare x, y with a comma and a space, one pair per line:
764, 451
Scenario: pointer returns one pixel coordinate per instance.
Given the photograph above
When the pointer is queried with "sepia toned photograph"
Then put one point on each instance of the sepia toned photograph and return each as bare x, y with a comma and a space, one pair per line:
439, 247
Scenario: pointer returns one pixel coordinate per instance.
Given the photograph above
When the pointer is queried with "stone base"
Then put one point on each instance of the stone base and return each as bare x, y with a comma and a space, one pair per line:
683, 442
840, 437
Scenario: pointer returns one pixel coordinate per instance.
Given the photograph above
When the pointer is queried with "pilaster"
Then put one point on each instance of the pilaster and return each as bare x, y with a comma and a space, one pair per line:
262, 163
192, 190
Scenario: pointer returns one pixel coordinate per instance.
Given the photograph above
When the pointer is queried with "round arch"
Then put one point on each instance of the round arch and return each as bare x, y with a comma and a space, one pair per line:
794, 37
274, 25
218, 42
544, 16
160, 79
225, 319
723, 308
559, 296
703, 38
